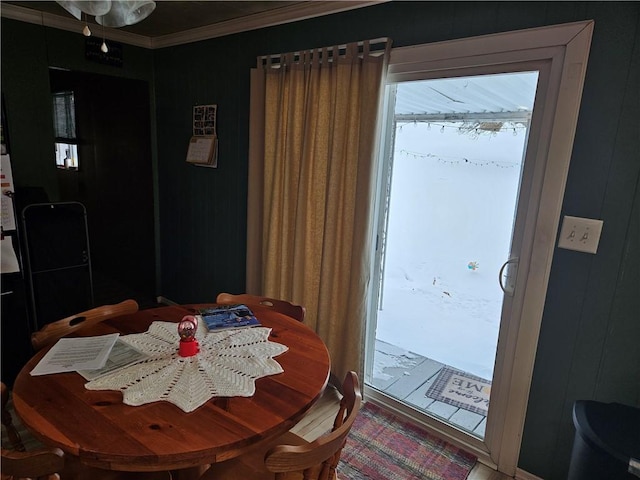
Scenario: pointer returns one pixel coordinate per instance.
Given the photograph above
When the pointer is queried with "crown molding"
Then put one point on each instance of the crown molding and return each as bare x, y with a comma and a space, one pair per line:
270, 18
70, 24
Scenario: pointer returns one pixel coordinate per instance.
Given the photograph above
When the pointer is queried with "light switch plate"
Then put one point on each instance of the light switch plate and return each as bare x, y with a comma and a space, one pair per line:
581, 234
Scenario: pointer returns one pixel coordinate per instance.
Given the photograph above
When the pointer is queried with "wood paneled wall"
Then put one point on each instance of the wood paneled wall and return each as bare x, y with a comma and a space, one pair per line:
590, 321
590, 331
115, 178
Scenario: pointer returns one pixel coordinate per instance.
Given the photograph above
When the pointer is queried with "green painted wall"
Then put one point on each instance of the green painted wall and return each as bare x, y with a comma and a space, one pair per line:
590, 331
27, 53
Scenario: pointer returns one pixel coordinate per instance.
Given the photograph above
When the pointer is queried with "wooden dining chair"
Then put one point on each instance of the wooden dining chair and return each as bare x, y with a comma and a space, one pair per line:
40, 462
43, 464
290, 457
53, 331
282, 306
7, 421
17, 463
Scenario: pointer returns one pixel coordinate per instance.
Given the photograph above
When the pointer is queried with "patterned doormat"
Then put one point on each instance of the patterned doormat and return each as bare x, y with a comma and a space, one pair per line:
381, 446
462, 390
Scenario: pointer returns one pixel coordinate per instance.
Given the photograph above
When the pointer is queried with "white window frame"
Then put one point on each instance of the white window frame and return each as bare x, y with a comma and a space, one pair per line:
560, 54
66, 148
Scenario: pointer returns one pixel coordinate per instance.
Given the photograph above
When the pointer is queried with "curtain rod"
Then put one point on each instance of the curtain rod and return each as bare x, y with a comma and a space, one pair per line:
275, 57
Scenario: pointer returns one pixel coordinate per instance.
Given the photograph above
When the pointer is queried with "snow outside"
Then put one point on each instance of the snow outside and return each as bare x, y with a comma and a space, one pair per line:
452, 206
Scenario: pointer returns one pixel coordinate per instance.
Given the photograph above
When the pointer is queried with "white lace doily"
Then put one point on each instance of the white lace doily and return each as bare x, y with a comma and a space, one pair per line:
227, 365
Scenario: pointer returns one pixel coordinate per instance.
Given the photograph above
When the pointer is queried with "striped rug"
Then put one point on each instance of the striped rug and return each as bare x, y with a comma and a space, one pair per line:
381, 446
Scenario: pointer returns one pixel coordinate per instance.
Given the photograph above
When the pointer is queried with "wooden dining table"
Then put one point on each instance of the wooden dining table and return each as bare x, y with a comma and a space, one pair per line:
99, 429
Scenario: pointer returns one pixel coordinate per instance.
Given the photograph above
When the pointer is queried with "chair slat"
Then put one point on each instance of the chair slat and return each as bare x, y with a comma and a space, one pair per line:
53, 331
291, 456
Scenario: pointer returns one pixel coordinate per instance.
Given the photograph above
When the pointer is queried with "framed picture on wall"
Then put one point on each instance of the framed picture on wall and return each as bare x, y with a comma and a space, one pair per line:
204, 119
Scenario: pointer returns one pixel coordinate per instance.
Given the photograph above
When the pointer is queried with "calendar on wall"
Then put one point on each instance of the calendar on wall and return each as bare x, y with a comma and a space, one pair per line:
203, 146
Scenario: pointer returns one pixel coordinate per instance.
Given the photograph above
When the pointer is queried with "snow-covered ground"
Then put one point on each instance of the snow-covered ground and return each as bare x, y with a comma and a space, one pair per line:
452, 207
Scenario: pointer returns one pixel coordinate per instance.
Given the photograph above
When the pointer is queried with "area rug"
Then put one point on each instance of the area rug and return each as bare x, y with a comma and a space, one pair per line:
382, 446
462, 390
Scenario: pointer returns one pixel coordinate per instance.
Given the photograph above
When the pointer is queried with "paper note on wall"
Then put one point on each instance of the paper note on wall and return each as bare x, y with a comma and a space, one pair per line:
9, 258
6, 177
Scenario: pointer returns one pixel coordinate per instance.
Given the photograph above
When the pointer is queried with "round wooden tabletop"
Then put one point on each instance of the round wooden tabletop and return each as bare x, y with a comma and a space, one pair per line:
104, 432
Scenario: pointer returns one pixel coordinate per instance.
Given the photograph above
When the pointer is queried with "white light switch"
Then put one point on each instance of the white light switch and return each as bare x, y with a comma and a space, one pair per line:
581, 234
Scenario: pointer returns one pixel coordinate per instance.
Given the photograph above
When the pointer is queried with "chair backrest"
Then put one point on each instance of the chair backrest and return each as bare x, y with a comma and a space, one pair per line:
287, 308
7, 421
318, 460
43, 464
16, 463
53, 331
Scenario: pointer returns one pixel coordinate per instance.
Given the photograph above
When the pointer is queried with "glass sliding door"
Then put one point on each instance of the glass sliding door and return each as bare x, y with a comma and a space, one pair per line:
462, 284
456, 163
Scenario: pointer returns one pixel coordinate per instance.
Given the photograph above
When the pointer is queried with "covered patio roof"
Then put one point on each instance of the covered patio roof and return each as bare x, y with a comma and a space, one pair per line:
486, 98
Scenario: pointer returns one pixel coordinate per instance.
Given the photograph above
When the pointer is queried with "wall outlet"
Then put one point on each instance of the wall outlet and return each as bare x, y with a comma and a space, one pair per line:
581, 234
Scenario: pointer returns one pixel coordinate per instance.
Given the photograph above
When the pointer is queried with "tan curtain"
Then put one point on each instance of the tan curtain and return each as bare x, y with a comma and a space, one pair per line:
312, 170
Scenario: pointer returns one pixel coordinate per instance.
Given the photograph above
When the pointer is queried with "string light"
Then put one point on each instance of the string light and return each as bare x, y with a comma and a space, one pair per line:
103, 47
472, 129
448, 160
85, 31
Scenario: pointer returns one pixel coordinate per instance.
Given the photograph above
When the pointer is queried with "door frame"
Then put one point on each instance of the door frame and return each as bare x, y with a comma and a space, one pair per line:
560, 54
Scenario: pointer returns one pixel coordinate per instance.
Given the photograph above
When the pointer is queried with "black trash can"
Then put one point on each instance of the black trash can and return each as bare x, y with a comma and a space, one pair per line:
607, 442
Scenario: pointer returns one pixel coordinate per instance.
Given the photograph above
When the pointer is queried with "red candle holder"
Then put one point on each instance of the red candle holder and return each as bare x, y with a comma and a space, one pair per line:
187, 328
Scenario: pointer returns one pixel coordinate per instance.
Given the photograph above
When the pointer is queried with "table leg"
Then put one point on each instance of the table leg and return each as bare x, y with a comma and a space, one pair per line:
192, 473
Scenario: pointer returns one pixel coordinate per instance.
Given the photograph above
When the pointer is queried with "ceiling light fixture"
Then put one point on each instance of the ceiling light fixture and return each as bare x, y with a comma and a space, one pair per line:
110, 13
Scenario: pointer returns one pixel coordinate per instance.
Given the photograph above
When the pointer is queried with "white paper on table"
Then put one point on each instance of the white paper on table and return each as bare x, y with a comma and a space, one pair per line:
9, 263
72, 354
121, 355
